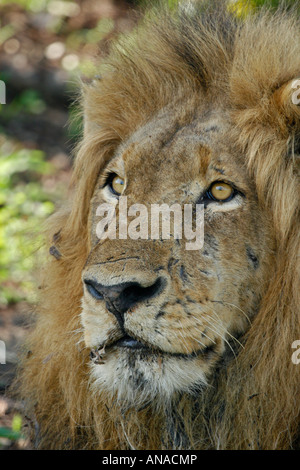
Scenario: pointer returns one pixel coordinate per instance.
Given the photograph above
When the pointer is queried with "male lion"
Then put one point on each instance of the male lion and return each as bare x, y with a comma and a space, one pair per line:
141, 343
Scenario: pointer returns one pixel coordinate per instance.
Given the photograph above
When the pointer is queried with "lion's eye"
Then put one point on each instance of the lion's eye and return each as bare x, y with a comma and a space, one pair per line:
220, 191
116, 184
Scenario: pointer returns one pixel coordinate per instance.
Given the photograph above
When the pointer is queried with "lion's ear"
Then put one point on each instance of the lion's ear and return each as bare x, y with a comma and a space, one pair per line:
287, 101
287, 98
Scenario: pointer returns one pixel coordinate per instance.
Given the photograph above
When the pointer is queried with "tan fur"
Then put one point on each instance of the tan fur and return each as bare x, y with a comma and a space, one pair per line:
151, 113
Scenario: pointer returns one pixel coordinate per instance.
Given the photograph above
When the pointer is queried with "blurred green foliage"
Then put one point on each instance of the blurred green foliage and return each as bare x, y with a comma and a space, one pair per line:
27, 101
10, 434
242, 8
24, 205
29, 5
14, 433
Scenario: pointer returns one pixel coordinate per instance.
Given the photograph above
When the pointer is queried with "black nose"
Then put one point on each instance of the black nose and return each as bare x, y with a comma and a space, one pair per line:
121, 297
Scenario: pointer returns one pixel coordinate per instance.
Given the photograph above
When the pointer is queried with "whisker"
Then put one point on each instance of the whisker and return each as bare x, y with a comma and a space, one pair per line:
219, 333
220, 325
200, 331
225, 329
232, 305
200, 342
183, 338
224, 339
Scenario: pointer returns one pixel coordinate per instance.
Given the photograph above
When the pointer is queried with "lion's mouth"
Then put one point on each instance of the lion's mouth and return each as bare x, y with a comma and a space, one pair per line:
98, 355
129, 342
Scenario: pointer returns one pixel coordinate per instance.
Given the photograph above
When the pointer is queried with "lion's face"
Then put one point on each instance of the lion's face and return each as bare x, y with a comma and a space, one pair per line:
157, 316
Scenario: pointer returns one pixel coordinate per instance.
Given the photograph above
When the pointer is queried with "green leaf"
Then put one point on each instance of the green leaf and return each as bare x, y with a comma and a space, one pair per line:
10, 434
17, 423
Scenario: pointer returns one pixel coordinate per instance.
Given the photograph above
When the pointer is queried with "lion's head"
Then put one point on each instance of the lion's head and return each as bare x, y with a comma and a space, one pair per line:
140, 341
165, 314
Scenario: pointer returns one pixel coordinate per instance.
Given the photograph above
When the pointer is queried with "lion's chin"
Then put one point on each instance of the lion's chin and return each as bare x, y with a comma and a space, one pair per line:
136, 377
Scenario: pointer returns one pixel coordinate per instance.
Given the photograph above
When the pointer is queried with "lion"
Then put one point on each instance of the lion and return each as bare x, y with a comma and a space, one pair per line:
140, 343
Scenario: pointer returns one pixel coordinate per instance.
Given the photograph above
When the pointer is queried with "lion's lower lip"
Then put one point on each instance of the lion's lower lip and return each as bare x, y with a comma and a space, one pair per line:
129, 342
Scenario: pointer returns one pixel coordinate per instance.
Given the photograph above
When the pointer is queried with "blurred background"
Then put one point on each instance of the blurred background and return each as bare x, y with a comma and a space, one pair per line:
46, 48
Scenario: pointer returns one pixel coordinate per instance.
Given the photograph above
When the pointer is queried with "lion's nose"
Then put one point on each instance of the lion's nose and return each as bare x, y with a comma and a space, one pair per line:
121, 297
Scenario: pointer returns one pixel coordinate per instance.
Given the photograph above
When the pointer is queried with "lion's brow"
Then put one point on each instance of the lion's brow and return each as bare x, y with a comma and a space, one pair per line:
204, 155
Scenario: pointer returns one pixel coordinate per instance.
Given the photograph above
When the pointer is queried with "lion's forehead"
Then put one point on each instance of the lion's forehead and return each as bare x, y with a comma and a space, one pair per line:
182, 147
172, 131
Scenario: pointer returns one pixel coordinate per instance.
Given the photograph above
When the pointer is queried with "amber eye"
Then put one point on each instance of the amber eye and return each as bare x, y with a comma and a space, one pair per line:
220, 191
117, 184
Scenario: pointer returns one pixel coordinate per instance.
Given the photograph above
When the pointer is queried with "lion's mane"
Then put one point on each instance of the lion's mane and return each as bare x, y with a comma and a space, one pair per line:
253, 402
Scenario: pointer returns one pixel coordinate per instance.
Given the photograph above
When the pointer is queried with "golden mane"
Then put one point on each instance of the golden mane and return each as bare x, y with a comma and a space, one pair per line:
253, 402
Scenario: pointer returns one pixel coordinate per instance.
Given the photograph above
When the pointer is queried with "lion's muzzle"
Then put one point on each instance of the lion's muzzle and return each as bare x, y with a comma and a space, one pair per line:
120, 298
